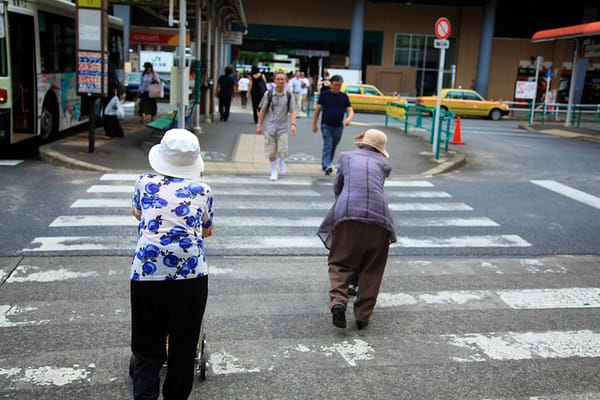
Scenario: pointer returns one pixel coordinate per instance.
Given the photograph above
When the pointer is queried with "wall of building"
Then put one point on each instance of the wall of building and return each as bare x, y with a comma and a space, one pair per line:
392, 18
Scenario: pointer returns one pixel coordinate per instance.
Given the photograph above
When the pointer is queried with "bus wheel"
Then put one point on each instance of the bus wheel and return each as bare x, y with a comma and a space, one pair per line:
48, 124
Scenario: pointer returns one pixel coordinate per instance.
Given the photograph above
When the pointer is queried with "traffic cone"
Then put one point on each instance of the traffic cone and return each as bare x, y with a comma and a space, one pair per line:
456, 137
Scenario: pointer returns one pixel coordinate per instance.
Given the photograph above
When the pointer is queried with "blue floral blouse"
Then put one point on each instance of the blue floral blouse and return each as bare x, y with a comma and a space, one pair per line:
170, 244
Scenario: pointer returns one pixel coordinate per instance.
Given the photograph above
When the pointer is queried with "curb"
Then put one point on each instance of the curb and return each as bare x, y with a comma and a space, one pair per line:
458, 160
53, 157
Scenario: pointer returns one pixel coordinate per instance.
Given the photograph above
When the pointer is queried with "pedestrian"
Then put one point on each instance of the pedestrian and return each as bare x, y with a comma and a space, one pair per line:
256, 89
226, 86
358, 229
277, 111
243, 84
169, 272
324, 82
297, 85
334, 104
148, 105
110, 117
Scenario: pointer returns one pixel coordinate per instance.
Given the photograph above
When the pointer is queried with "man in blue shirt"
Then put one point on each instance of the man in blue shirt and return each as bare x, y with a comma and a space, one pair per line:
335, 104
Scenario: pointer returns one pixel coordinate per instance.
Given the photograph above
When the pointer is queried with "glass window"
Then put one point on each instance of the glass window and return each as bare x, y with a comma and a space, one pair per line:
57, 43
352, 90
471, 96
371, 92
418, 51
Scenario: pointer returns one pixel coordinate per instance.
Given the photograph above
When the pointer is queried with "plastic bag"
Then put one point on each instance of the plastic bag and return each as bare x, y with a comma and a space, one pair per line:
120, 110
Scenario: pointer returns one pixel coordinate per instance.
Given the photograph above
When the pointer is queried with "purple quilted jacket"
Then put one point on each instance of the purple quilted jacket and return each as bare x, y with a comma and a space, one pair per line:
359, 194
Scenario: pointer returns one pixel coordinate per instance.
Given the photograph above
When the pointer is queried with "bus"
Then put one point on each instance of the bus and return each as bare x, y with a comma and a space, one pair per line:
38, 69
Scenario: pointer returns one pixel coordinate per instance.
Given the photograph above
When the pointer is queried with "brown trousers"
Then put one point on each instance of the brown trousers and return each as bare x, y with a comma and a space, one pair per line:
357, 247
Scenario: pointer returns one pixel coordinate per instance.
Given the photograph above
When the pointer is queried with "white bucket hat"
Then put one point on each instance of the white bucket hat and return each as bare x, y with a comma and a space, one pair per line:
374, 138
177, 155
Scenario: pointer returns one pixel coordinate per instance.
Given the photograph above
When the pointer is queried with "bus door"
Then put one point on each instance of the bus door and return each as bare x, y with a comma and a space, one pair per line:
22, 70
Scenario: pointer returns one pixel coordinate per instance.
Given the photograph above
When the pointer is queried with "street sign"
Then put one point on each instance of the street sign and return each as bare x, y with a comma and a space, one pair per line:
441, 44
442, 28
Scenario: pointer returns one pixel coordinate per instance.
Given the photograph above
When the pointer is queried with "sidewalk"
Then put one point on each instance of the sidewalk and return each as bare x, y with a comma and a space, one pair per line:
587, 131
233, 147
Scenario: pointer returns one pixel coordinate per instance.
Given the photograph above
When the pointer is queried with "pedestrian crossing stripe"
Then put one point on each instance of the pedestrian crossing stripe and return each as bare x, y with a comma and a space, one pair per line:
233, 243
249, 220
255, 180
10, 163
271, 192
569, 192
242, 204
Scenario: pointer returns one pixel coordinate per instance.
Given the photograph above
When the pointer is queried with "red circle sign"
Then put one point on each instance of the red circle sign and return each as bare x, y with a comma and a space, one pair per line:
442, 28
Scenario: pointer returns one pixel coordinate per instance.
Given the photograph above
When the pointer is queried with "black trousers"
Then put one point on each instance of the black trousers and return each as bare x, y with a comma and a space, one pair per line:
172, 309
224, 106
112, 126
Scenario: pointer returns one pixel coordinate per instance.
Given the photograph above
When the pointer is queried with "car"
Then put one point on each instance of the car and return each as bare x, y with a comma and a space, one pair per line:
364, 97
465, 103
132, 83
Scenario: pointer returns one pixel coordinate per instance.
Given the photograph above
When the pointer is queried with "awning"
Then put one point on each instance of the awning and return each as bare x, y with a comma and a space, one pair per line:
568, 32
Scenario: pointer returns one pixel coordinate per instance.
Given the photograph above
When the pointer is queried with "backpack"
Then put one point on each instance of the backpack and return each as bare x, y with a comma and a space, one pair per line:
270, 97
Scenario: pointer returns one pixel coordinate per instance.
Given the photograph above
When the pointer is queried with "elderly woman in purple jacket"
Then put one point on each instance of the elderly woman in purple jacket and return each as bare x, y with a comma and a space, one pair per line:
358, 229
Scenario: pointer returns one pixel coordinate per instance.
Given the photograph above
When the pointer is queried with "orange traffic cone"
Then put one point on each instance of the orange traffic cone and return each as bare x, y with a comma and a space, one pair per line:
456, 137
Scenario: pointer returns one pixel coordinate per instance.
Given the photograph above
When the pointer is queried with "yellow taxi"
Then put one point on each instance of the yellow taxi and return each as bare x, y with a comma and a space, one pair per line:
365, 97
466, 103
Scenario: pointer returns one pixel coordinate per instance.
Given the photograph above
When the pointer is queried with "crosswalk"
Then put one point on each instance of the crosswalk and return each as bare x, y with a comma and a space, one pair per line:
470, 329
261, 217
445, 327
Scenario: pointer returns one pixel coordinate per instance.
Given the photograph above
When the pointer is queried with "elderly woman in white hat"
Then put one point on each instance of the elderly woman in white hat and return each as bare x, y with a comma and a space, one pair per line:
358, 229
169, 273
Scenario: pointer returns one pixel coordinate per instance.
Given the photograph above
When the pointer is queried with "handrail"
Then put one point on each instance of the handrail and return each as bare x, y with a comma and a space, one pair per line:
415, 115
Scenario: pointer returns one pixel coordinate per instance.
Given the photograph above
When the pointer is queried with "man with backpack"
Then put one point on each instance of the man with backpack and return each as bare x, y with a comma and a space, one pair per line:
277, 111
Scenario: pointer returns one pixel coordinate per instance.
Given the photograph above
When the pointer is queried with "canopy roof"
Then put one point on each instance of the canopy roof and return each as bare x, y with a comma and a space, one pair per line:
568, 32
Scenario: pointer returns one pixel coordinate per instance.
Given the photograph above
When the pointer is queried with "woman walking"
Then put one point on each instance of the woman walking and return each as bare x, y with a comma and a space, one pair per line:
147, 102
256, 89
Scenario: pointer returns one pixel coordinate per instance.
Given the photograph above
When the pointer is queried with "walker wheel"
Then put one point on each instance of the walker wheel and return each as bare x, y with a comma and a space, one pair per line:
131, 362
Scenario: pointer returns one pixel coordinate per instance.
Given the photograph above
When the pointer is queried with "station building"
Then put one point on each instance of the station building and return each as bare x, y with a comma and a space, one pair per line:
490, 46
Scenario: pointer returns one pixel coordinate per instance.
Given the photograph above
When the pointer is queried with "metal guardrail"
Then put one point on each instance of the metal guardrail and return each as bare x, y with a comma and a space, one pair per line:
415, 116
546, 112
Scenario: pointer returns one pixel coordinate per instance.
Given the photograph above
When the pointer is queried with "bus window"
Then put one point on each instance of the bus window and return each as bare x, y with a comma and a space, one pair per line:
57, 43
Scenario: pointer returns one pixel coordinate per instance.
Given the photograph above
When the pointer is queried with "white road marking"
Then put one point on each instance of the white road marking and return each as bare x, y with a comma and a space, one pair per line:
27, 273
93, 220
223, 363
351, 353
231, 179
526, 345
463, 241
415, 194
569, 192
10, 163
8, 311
522, 299
280, 205
106, 203
47, 376
128, 220
551, 298
78, 243
429, 207
110, 189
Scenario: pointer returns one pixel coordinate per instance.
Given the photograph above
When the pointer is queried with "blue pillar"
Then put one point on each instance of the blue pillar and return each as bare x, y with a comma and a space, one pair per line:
356, 35
485, 47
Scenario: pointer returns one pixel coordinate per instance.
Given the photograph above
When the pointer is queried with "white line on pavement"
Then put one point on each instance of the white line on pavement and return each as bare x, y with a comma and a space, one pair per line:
569, 192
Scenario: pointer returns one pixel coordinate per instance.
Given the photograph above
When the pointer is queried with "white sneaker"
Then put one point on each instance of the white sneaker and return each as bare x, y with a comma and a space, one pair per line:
273, 176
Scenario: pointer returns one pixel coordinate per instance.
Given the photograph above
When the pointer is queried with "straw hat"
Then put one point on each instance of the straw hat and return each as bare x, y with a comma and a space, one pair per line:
177, 155
374, 138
